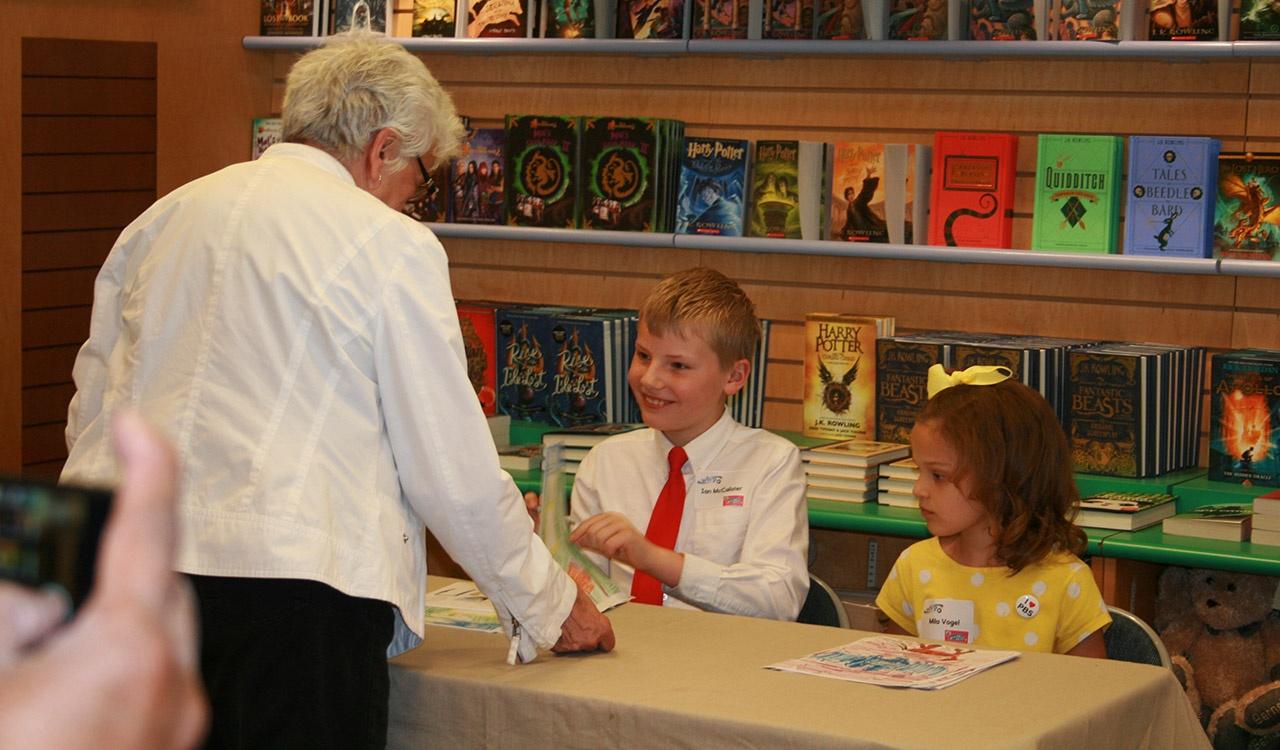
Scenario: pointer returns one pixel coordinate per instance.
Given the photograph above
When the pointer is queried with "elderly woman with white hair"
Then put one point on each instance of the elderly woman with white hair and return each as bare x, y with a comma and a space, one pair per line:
296, 336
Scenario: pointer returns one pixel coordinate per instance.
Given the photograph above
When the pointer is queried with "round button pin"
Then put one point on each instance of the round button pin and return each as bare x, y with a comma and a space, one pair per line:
1028, 606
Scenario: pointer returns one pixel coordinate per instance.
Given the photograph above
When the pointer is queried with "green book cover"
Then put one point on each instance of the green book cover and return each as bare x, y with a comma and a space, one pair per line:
1077, 196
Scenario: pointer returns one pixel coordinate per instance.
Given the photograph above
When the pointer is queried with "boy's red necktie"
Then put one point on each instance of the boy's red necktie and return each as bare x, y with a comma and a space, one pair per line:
664, 526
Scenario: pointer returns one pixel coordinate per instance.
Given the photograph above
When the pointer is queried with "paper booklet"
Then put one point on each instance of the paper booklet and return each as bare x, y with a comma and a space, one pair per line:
604, 591
461, 605
881, 660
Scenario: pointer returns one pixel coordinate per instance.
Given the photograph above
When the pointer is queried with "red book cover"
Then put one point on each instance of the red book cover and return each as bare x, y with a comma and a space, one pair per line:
972, 196
480, 341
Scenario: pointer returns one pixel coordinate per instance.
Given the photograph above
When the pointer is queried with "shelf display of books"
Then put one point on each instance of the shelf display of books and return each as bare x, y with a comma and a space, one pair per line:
847, 471
1227, 522
1124, 511
897, 478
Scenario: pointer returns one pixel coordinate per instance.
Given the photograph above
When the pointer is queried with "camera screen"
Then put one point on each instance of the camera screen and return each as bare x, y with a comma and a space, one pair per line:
49, 534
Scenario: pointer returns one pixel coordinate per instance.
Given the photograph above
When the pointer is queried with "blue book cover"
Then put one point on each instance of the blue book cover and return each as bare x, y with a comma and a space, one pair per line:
581, 369
475, 184
524, 363
1172, 191
713, 186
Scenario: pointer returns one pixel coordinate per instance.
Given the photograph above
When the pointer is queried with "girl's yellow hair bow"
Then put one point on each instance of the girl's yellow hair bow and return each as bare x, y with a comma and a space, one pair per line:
940, 379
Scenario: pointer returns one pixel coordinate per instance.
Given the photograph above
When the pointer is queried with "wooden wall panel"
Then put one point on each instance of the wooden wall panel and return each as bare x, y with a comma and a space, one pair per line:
74, 199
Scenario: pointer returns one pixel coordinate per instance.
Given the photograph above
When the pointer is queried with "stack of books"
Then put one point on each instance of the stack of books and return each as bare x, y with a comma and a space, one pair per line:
1229, 522
575, 442
895, 483
1266, 519
520, 457
1125, 511
848, 471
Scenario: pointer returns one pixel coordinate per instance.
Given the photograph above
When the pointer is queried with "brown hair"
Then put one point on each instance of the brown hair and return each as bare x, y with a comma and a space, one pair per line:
704, 301
1010, 445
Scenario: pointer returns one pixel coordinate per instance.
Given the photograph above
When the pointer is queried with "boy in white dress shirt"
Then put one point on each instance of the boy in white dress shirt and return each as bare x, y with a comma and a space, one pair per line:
696, 511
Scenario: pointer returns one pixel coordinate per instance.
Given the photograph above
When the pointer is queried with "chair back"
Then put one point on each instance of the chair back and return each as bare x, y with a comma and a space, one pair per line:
822, 606
1131, 639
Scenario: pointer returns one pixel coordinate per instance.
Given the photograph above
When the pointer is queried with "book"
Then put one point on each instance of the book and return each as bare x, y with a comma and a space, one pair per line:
433, 203
882, 660
620, 183
787, 183
856, 453
788, 19
838, 471
1259, 20
902, 382
541, 166
1101, 20
583, 371
900, 486
1244, 418
587, 435
503, 19
842, 19
289, 18
1265, 536
1106, 421
1228, 522
859, 485
1247, 213
903, 468
1183, 21
461, 605
1077, 193
523, 364
500, 429
1024, 20
520, 457
1124, 511
918, 19
1172, 190
350, 15
839, 374
479, 340
1265, 521
576, 19
1267, 505
713, 186
434, 18
651, 19
476, 178
879, 192
971, 198
817, 492
267, 131
719, 19
897, 499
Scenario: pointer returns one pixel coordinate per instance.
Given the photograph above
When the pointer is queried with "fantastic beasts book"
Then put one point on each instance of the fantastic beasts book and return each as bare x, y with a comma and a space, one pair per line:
1171, 195
541, 167
902, 377
840, 372
1247, 215
971, 202
1077, 193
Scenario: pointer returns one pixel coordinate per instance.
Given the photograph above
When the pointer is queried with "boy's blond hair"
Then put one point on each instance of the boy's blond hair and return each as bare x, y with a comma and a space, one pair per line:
705, 302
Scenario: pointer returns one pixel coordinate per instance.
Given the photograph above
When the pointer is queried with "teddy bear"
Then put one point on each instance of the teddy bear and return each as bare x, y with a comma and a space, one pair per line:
1224, 640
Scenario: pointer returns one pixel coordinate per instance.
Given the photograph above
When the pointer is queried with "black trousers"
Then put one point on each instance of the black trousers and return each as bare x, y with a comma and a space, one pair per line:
293, 664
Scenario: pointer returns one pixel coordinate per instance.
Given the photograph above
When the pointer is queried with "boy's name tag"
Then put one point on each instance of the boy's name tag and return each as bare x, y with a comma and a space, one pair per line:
948, 620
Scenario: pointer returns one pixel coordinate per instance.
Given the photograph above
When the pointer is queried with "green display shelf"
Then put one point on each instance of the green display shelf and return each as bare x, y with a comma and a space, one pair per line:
1200, 491
524, 432
1154, 546
1090, 484
528, 481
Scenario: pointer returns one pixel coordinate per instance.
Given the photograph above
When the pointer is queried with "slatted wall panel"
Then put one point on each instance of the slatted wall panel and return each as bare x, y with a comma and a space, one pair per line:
895, 100
88, 169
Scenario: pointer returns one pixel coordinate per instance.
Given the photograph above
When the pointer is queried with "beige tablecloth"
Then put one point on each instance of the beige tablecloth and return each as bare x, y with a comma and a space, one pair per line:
693, 679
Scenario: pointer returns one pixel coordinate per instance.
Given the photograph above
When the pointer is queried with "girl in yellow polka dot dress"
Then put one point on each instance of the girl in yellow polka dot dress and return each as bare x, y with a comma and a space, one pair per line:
996, 489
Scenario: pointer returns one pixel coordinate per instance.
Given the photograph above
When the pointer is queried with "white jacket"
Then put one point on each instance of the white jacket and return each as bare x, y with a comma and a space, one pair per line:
298, 341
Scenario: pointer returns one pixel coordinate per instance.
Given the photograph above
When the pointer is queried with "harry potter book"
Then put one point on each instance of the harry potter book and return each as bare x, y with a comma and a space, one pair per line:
1244, 417
652, 19
541, 167
1172, 186
1077, 193
434, 18
971, 201
719, 19
476, 178
713, 184
842, 19
840, 373
503, 19
787, 183
1183, 21
788, 19
1247, 214
1103, 20
879, 192
1259, 20
918, 19
290, 17
1023, 20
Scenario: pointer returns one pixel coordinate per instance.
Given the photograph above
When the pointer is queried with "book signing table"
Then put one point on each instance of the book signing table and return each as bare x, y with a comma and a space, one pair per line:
681, 678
